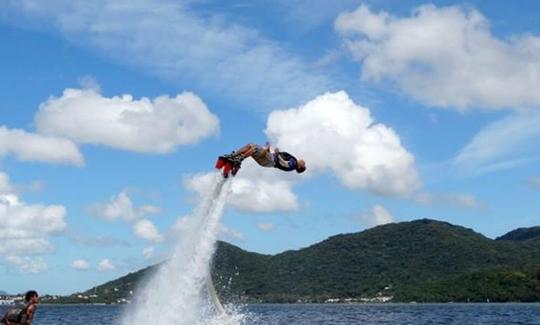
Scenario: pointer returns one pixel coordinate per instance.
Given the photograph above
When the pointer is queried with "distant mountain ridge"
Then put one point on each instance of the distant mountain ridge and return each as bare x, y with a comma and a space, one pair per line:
522, 234
422, 260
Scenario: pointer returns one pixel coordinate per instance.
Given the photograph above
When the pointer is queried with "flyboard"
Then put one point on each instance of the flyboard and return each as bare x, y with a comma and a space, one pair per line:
230, 164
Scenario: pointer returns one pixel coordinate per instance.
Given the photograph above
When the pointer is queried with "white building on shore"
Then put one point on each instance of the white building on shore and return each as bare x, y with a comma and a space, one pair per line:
9, 300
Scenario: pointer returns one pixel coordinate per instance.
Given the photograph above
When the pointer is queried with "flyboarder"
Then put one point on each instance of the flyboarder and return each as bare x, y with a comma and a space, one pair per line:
278, 159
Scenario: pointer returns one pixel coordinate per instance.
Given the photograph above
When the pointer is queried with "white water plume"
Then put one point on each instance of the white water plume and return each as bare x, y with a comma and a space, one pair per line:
177, 293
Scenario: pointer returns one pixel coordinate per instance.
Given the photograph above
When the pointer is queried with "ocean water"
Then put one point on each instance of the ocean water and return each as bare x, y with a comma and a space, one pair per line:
322, 314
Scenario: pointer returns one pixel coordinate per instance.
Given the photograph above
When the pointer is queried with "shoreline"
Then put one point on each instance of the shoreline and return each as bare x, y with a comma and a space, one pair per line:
332, 304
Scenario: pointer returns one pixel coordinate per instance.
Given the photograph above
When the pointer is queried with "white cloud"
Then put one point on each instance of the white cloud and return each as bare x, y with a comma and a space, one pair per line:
121, 207
80, 265
445, 57
145, 229
332, 133
27, 146
151, 126
5, 186
230, 233
106, 265
254, 190
378, 215
33, 265
449, 199
25, 228
118, 207
262, 195
266, 226
502, 144
148, 252
144, 210
24, 242
172, 41
535, 181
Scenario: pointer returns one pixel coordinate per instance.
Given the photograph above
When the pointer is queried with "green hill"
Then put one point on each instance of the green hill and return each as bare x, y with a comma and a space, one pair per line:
423, 261
522, 234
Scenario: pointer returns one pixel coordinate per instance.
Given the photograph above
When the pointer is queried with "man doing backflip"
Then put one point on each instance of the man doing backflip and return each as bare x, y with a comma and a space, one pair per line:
263, 156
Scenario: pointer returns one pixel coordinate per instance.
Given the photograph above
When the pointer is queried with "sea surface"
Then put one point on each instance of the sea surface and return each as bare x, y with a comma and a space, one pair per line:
323, 314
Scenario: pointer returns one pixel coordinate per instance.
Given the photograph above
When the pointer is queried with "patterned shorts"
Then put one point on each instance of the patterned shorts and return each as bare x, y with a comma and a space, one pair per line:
263, 157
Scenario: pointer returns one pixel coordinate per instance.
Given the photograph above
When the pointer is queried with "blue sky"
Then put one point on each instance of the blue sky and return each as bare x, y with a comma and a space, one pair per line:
113, 112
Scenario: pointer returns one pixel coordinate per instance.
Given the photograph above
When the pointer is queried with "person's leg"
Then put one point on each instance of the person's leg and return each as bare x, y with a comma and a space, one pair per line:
246, 150
250, 152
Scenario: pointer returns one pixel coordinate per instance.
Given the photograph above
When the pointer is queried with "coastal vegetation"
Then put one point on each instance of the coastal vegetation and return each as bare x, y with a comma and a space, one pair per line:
417, 261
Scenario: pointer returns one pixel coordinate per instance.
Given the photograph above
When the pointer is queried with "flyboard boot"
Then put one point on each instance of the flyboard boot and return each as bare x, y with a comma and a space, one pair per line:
230, 163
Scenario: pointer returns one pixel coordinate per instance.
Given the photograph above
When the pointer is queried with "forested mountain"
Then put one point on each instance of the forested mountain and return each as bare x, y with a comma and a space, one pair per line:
422, 261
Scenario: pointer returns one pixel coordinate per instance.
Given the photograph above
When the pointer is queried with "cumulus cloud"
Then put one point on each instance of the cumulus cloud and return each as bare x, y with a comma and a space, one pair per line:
27, 146
266, 226
254, 190
5, 186
177, 43
25, 228
262, 194
332, 133
445, 57
31, 265
449, 199
502, 144
150, 126
80, 265
106, 265
378, 215
145, 229
120, 207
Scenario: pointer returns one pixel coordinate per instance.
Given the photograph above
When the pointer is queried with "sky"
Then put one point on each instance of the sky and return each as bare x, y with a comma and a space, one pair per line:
112, 114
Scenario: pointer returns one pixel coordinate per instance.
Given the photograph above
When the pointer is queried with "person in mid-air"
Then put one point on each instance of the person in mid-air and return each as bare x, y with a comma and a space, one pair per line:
22, 313
278, 159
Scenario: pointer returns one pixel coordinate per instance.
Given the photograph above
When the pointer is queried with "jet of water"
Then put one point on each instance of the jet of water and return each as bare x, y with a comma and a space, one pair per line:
178, 292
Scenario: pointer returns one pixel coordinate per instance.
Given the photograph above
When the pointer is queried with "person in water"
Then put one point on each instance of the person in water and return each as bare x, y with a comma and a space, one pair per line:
278, 159
22, 313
